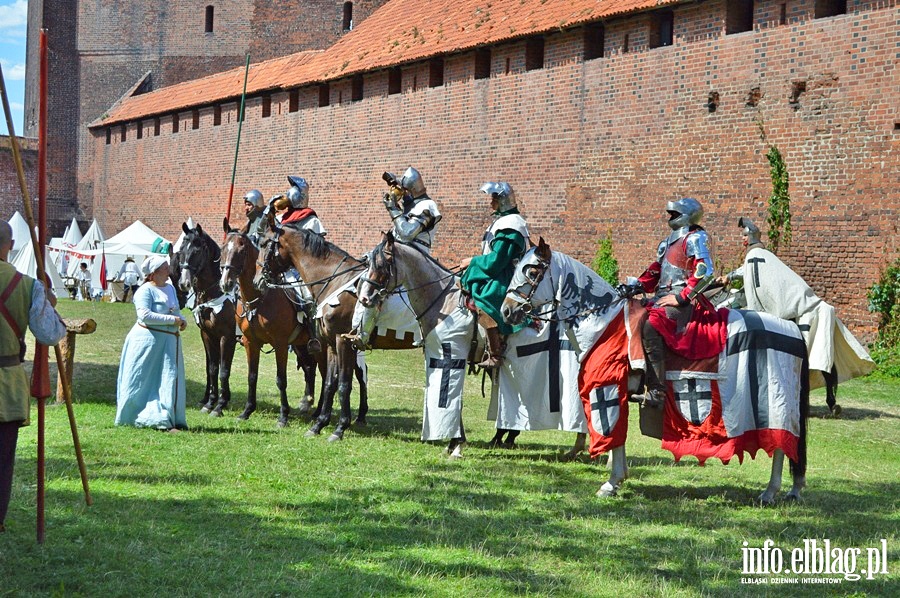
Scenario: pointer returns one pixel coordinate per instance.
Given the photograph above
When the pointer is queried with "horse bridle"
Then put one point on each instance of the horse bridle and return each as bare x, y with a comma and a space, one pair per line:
524, 299
382, 291
226, 267
182, 258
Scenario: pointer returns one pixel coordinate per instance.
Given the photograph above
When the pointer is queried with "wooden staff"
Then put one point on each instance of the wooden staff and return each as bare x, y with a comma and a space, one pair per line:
41, 354
238, 145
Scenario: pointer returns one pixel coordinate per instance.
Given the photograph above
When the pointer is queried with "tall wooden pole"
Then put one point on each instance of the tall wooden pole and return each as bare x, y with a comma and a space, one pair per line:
238, 145
40, 387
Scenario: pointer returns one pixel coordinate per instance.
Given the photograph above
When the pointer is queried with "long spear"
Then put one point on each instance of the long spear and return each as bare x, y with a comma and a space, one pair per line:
238, 146
40, 387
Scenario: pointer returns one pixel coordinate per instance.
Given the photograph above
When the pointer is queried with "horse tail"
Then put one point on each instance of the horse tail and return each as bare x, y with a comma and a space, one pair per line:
798, 469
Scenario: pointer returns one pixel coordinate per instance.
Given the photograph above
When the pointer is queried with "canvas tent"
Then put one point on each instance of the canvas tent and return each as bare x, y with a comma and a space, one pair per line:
141, 235
72, 235
26, 263
21, 236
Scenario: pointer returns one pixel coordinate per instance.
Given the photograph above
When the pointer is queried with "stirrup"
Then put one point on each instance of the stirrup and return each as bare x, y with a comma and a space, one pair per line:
357, 341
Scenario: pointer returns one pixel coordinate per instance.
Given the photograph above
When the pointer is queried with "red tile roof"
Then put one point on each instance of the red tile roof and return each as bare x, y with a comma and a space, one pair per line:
401, 31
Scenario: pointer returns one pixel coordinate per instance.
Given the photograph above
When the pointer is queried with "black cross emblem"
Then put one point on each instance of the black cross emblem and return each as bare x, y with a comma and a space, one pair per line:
446, 365
692, 397
553, 345
756, 261
759, 340
601, 405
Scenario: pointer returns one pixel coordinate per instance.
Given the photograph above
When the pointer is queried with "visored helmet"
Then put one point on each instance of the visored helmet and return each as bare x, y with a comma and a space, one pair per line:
255, 198
503, 193
298, 194
684, 212
751, 230
412, 181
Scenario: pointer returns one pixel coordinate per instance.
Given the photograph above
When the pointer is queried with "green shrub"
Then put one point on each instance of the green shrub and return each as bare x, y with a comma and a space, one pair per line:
779, 213
605, 263
884, 299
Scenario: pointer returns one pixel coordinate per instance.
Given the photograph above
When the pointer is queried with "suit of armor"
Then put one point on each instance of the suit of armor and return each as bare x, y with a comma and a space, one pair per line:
683, 259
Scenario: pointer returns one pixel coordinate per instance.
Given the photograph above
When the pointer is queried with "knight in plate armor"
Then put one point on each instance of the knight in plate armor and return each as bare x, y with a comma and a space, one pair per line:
292, 210
683, 259
414, 215
414, 218
487, 275
254, 204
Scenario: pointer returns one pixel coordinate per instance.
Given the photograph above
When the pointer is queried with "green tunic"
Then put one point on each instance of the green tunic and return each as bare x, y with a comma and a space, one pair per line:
488, 276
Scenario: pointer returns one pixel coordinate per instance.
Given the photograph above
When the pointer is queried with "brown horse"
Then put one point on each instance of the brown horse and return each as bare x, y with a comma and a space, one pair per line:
198, 273
265, 318
324, 268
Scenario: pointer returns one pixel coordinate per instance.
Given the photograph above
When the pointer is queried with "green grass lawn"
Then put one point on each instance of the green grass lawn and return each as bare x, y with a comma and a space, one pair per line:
247, 509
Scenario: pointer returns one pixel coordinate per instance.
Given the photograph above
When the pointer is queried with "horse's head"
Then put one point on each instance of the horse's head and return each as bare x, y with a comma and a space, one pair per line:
528, 290
380, 278
198, 253
238, 254
273, 257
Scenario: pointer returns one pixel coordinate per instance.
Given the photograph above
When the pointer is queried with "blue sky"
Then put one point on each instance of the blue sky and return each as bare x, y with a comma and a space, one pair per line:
13, 17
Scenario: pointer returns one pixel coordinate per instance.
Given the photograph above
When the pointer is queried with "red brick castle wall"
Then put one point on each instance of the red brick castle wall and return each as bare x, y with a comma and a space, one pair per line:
589, 145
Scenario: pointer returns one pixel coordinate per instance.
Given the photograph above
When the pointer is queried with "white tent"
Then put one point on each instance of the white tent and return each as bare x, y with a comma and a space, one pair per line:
21, 236
73, 234
141, 235
26, 263
92, 238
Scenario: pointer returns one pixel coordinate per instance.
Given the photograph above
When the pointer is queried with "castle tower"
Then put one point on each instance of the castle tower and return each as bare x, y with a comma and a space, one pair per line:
101, 50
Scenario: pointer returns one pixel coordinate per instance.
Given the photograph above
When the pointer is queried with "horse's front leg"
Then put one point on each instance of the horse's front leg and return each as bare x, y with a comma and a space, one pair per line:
281, 383
326, 400
346, 368
767, 498
252, 349
362, 376
227, 344
213, 368
618, 472
209, 397
308, 364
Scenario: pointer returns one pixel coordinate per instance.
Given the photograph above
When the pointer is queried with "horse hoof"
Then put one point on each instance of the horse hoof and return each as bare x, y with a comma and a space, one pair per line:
335, 437
765, 500
607, 490
215, 413
836, 411
791, 497
310, 434
360, 423
282, 423
243, 417
204, 409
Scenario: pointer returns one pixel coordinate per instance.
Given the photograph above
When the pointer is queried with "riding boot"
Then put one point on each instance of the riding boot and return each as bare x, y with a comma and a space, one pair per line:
312, 345
494, 349
655, 352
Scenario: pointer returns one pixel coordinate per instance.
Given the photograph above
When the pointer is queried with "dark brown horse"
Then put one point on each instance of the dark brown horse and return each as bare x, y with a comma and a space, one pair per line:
324, 268
265, 317
198, 273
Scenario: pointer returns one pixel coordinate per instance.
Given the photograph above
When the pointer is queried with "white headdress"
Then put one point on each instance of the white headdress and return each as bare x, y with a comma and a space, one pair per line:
152, 264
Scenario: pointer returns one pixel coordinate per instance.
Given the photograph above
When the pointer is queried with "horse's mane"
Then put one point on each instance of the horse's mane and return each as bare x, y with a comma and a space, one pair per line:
315, 243
378, 255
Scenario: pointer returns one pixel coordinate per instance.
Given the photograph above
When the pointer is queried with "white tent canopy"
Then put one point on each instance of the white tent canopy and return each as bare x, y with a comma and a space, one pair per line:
21, 236
73, 234
26, 263
141, 235
92, 238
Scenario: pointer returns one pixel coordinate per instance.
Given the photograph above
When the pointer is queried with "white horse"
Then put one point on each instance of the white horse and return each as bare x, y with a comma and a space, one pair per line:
761, 382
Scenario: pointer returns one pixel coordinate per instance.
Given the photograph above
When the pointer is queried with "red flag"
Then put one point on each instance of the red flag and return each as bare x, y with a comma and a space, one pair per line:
103, 271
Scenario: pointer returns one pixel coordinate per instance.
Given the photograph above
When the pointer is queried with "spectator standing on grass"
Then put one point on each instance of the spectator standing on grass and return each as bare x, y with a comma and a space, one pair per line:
150, 389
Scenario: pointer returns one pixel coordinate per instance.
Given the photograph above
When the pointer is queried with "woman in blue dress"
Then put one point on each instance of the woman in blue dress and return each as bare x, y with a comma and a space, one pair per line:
150, 389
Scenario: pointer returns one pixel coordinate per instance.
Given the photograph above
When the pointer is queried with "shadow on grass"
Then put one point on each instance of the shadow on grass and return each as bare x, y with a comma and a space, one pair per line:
388, 537
849, 413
